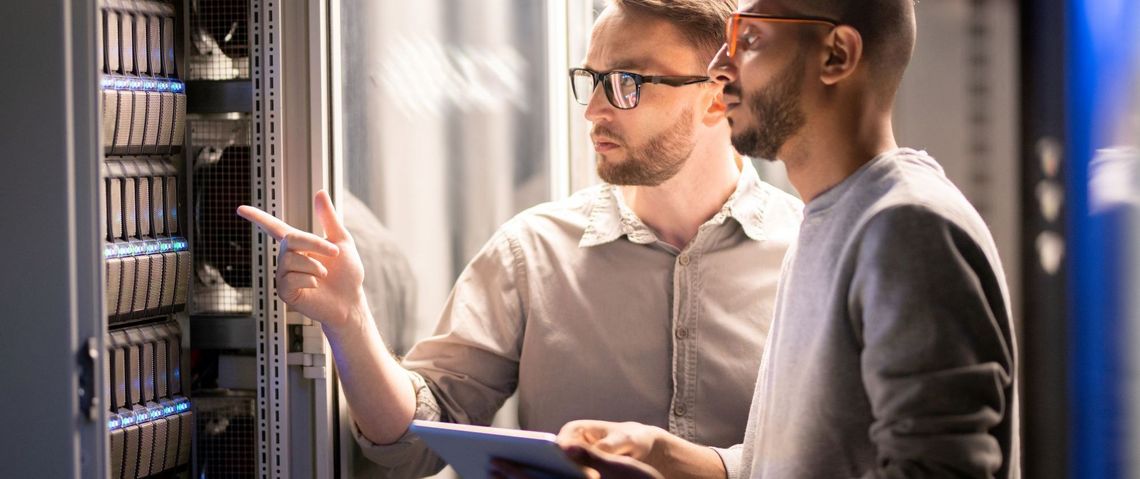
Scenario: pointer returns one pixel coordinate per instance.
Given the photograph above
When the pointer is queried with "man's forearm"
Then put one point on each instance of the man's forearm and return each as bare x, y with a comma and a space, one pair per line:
379, 391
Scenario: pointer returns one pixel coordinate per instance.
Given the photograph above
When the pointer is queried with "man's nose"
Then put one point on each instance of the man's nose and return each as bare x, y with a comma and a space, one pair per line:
598, 108
721, 69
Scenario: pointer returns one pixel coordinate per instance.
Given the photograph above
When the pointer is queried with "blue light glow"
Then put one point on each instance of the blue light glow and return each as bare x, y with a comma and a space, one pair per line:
168, 410
113, 424
128, 420
149, 247
175, 86
120, 84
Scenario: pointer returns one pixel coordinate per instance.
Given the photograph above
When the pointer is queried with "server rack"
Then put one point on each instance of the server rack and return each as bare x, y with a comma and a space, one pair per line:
112, 338
147, 256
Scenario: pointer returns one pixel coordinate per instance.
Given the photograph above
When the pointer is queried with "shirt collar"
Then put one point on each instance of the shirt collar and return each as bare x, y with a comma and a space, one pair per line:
610, 218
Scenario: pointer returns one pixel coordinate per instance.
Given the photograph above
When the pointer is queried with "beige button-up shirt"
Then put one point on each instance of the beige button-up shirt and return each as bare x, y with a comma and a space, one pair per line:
578, 307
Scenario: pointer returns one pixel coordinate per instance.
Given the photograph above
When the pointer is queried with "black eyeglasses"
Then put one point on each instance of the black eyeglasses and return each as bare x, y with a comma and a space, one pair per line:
623, 89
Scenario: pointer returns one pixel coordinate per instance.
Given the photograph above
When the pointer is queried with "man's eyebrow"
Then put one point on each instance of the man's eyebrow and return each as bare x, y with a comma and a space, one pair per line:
642, 64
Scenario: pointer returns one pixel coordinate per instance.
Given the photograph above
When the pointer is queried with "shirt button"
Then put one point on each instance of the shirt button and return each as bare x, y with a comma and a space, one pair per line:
682, 333
683, 259
679, 410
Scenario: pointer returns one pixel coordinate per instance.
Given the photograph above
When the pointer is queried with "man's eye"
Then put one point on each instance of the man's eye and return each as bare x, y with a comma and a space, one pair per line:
748, 41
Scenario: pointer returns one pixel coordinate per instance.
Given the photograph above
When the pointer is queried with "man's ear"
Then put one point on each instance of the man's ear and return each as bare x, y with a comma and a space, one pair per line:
715, 111
844, 49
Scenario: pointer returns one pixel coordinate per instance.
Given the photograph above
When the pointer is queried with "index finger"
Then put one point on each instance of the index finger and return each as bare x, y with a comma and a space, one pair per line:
268, 223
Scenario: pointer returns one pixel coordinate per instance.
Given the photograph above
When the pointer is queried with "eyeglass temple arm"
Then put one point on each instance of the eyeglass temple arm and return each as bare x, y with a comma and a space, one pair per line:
676, 81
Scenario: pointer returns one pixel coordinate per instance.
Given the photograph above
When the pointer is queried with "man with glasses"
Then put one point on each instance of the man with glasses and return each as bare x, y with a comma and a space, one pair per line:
647, 298
892, 350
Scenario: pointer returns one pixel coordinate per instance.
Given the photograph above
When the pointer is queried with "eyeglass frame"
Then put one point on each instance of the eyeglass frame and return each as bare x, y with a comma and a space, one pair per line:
599, 77
732, 28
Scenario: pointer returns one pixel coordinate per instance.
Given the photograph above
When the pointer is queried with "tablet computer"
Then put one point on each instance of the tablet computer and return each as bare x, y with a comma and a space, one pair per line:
469, 449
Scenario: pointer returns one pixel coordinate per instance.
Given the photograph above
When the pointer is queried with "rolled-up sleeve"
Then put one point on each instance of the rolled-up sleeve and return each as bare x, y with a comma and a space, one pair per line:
408, 456
469, 367
731, 458
938, 354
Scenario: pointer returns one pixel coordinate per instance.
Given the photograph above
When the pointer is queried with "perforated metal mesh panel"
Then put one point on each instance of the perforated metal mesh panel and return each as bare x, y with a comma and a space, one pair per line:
227, 428
220, 154
219, 40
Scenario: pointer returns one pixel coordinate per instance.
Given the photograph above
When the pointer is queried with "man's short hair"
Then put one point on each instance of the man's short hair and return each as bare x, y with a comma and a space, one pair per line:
887, 28
701, 21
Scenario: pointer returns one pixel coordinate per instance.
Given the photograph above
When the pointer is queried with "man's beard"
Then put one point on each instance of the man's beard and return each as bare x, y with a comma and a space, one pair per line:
776, 111
654, 163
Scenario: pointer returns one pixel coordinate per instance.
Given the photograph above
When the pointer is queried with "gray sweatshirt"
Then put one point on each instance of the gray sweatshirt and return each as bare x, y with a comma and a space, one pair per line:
892, 350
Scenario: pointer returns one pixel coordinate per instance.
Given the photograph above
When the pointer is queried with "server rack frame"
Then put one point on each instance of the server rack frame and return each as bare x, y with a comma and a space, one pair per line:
52, 278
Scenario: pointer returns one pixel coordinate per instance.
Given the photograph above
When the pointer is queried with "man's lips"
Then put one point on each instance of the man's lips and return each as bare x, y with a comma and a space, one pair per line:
603, 144
731, 100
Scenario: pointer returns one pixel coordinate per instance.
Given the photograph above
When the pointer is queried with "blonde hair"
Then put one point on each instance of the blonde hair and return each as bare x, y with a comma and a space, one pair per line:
702, 21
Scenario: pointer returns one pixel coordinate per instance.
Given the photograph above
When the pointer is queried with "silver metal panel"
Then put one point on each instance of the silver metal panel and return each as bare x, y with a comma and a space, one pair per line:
52, 286
126, 286
172, 204
179, 132
158, 203
138, 122
154, 44
153, 125
123, 114
115, 196
127, 42
142, 57
142, 202
273, 387
110, 112
166, 126
113, 53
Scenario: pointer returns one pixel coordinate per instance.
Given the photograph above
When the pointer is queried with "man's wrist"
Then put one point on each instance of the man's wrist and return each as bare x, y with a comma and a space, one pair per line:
676, 457
355, 323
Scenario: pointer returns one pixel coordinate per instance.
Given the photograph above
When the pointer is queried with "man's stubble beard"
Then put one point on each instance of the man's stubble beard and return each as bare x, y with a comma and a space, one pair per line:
776, 111
654, 163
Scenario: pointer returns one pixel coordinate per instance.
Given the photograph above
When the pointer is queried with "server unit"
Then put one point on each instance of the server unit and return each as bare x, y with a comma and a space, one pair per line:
147, 255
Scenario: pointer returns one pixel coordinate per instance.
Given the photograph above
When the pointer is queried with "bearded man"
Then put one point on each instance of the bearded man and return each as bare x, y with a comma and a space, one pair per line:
646, 298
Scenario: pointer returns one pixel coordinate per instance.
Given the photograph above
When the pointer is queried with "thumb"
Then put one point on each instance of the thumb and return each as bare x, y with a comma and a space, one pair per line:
326, 214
